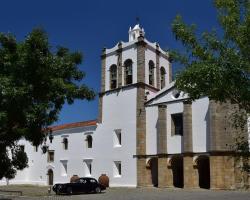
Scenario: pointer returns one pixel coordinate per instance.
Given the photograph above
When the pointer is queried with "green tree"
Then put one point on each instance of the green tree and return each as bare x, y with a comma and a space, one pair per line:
35, 82
217, 63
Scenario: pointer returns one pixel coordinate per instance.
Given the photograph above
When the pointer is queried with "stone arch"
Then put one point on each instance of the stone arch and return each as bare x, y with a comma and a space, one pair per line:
113, 76
128, 72
177, 170
50, 177
162, 77
203, 167
152, 165
151, 74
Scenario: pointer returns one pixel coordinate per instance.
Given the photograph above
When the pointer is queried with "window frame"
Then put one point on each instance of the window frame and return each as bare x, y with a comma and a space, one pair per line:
175, 122
49, 160
113, 80
128, 72
151, 74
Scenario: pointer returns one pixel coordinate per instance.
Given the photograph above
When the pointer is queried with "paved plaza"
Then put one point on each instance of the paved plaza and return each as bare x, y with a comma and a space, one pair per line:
136, 194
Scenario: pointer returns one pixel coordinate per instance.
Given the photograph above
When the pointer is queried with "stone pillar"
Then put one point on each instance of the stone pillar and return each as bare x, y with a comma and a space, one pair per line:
103, 60
170, 74
191, 176
165, 174
142, 171
222, 172
103, 72
119, 64
157, 53
187, 127
100, 108
162, 130
144, 178
141, 45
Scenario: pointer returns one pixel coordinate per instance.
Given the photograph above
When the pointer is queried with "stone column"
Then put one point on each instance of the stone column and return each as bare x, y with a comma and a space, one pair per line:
103, 75
119, 64
191, 176
144, 178
142, 172
187, 127
103, 72
170, 74
157, 53
164, 173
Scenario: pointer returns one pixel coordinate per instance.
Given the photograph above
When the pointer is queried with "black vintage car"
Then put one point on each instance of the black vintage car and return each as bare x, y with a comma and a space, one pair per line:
81, 185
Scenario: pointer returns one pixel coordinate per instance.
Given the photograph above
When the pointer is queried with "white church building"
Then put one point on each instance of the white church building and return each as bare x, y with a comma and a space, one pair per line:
147, 133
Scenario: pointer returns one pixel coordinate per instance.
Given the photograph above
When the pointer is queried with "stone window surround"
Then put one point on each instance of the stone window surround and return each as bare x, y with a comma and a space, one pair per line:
173, 133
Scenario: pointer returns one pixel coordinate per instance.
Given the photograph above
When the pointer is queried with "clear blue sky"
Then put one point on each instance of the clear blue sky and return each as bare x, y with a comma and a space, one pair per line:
90, 25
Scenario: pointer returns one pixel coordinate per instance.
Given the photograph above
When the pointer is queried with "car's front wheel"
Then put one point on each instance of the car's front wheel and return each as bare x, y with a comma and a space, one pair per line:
98, 190
69, 191
58, 189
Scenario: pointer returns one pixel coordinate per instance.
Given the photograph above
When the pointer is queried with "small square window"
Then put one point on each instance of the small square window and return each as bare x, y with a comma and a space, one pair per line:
177, 124
117, 169
50, 156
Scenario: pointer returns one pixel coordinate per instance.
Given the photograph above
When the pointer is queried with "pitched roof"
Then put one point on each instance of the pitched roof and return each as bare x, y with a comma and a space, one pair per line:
74, 125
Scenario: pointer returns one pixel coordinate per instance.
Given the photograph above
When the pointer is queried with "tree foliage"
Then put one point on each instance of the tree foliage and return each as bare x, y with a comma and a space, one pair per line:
35, 82
217, 63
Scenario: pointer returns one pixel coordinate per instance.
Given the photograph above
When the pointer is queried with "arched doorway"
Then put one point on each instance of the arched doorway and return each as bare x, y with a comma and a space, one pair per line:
203, 166
50, 177
177, 170
153, 167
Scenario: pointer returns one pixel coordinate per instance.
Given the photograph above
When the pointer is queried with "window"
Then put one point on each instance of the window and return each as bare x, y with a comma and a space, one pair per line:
117, 138
128, 72
65, 143
163, 77
177, 124
50, 156
88, 167
113, 77
117, 169
89, 141
64, 167
151, 67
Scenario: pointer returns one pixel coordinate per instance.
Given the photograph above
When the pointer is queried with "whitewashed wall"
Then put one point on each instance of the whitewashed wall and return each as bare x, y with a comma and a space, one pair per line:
174, 143
151, 129
200, 124
119, 112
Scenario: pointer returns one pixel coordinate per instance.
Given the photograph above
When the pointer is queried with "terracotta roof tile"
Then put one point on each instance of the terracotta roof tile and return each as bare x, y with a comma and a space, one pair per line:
74, 125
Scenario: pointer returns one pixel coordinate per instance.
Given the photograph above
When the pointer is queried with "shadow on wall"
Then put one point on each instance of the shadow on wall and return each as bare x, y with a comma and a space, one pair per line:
207, 119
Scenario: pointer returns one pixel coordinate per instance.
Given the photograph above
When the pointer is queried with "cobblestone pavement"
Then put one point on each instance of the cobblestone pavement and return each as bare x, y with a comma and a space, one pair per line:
146, 194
